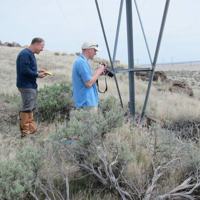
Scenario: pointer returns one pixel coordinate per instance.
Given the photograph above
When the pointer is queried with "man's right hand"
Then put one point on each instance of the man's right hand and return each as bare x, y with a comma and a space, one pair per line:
101, 69
42, 73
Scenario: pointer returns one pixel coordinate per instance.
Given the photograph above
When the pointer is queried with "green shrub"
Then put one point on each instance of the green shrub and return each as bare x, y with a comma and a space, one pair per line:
86, 124
18, 176
13, 180
30, 158
112, 112
54, 101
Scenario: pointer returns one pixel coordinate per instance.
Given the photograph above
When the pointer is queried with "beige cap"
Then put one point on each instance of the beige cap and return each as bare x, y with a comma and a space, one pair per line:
90, 45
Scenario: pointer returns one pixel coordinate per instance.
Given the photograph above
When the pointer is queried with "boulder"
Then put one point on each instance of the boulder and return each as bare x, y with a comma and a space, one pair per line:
144, 76
11, 44
158, 76
7, 44
15, 44
181, 87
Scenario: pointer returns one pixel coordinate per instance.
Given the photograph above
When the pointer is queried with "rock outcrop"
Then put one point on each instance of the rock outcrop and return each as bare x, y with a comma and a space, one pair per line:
158, 76
10, 44
181, 87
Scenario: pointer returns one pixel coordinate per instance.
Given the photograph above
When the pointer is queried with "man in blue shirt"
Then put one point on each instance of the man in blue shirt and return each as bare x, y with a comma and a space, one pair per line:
27, 73
85, 94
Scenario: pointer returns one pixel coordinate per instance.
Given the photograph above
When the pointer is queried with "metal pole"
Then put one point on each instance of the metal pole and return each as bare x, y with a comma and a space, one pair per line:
108, 50
155, 56
130, 56
117, 31
143, 32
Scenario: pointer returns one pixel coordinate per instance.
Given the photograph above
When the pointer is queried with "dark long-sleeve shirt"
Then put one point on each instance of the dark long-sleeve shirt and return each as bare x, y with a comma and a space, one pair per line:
26, 69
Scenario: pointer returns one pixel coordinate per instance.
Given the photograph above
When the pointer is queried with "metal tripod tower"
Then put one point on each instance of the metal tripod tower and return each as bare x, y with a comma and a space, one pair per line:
130, 49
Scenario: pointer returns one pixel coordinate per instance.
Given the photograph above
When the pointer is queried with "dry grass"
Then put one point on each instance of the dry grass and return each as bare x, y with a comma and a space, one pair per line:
59, 65
162, 104
144, 147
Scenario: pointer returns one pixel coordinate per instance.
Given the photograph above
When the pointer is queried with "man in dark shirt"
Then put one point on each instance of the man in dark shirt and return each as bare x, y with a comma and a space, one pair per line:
27, 73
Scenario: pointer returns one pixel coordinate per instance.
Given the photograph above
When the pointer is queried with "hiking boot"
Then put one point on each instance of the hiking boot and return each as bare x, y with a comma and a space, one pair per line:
32, 123
24, 123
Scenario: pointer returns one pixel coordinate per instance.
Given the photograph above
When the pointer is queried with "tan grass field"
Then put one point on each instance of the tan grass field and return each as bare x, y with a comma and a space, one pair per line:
162, 104
180, 67
144, 148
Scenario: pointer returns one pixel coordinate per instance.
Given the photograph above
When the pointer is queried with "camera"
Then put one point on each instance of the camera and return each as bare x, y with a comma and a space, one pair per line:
108, 72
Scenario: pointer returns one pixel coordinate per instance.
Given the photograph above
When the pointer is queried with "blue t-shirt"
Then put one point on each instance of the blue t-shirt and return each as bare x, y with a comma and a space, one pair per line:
26, 69
81, 73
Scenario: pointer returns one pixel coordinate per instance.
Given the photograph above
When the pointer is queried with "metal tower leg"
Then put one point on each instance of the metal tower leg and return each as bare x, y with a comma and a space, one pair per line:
130, 56
155, 57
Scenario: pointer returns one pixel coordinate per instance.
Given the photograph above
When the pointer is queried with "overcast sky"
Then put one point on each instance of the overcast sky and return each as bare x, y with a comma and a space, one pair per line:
66, 24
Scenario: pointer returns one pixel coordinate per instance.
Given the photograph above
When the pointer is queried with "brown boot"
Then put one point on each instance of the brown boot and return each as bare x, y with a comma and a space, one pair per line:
32, 124
24, 123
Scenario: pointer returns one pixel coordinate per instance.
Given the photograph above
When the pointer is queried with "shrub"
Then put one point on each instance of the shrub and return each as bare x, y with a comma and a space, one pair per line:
142, 163
91, 129
56, 53
30, 158
18, 176
112, 112
54, 101
13, 180
64, 54
86, 124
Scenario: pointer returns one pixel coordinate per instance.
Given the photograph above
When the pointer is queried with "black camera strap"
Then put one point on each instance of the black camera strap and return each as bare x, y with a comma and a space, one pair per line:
106, 86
